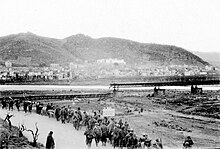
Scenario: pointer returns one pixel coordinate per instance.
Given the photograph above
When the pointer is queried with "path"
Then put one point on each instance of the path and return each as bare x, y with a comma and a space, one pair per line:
64, 134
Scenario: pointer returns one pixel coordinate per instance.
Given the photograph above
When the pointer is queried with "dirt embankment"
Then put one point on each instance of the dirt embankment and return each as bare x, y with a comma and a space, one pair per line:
206, 104
11, 138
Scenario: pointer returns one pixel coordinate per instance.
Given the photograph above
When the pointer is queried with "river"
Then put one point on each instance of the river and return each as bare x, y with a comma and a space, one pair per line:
95, 87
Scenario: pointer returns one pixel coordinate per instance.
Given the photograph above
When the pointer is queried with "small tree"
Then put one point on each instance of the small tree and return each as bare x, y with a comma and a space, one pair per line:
7, 118
34, 134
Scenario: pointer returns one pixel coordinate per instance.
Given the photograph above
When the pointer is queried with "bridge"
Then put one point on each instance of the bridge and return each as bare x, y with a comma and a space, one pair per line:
171, 83
62, 96
178, 81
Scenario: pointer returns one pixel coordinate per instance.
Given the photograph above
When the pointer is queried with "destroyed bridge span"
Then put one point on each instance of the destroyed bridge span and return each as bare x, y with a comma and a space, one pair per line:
101, 96
180, 81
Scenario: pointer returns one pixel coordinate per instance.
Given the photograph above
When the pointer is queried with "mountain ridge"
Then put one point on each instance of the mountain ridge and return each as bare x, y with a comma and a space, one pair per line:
211, 57
80, 48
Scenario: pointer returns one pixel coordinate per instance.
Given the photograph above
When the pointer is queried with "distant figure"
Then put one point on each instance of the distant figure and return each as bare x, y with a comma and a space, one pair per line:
30, 105
188, 143
17, 104
11, 104
57, 112
50, 144
25, 105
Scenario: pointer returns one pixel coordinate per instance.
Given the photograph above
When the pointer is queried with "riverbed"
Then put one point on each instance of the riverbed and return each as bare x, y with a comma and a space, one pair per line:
95, 87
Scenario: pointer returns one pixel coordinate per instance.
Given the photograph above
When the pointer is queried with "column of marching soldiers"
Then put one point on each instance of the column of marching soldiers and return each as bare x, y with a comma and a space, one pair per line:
100, 129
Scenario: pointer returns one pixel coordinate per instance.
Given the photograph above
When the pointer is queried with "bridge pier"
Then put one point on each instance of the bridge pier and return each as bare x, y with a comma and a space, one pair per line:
158, 91
196, 90
115, 88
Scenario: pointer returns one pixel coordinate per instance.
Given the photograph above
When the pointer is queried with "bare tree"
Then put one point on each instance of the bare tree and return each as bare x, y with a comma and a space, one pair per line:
7, 118
34, 134
8, 138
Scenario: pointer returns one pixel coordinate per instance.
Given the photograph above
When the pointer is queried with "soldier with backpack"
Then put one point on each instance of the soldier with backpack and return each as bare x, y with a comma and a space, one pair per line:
188, 143
97, 133
89, 136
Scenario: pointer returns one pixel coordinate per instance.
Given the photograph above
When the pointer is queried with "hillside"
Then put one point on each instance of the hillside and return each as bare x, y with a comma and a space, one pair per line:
29, 49
211, 57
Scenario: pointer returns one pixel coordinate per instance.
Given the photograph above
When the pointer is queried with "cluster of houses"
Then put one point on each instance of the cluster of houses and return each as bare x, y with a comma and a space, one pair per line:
177, 70
16, 74
102, 68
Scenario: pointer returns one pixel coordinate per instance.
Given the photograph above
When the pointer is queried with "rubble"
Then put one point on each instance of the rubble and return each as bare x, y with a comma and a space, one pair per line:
170, 125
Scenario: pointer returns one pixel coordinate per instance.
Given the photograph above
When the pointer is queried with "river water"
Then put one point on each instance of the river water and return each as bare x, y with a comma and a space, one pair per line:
97, 87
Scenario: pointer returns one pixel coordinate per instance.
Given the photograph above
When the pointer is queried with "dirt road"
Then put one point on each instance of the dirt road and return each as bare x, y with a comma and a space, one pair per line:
64, 134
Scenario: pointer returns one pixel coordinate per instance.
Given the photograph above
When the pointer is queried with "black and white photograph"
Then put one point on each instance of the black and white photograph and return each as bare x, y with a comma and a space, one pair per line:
109, 74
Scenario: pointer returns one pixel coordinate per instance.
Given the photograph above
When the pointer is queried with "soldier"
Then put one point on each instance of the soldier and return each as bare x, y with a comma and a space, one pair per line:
50, 144
57, 113
62, 114
126, 137
79, 113
92, 122
126, 126
120, 123
111, 126
99, 119
11, 104
89, 136
104, 130
48, 107
25, 105
116, 135
158, 144
132, 141
4, 103
188, 143
141, 141
106, 121
85, 119
147, 141
122, 137
40, 107
17, 104
135, 141
97, 133
66, 114
37, 108
69, 113
30, 106
76, 120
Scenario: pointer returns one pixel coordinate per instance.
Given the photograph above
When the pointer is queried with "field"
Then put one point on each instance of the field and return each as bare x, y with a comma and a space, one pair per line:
165, 117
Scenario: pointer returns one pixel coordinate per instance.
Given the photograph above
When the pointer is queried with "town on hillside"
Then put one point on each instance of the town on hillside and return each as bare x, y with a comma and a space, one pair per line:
102, 68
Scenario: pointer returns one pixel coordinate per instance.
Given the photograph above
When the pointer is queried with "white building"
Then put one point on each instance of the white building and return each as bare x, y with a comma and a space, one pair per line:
8, 64
54, 66
207, 67
111, 61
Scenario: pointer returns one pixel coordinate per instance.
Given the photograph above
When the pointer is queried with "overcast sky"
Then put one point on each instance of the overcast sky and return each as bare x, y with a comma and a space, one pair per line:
191, 24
